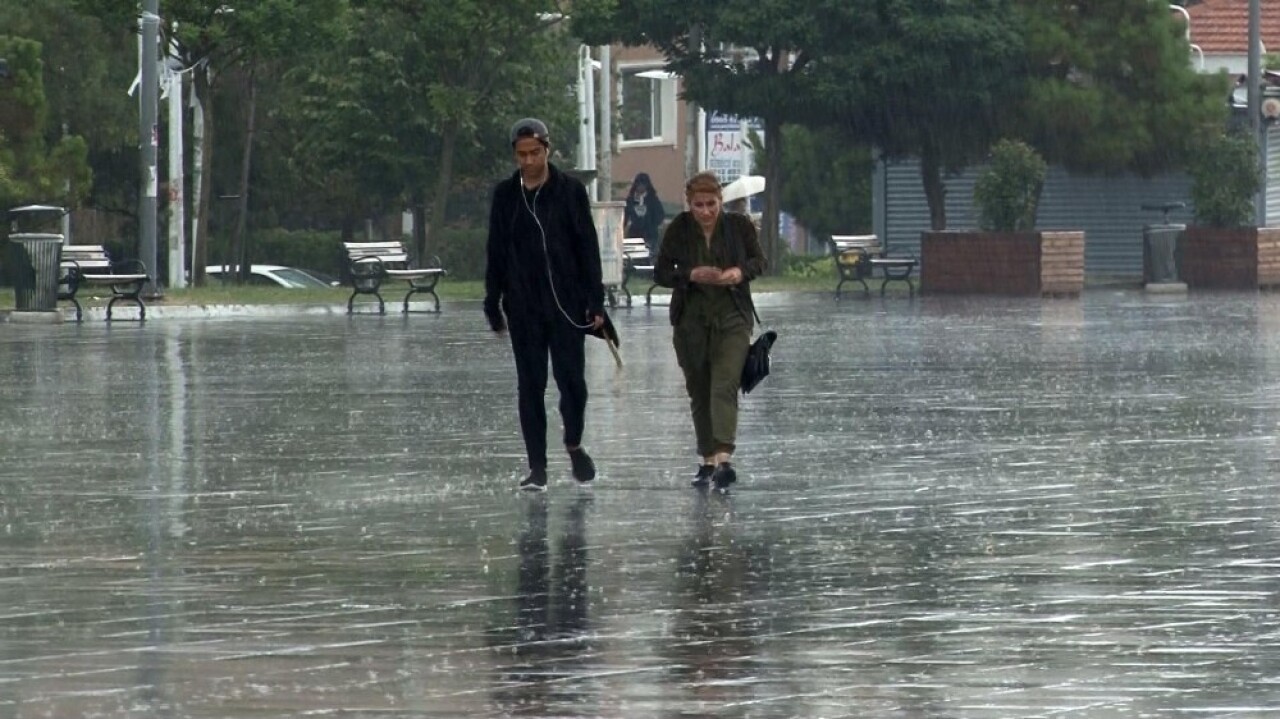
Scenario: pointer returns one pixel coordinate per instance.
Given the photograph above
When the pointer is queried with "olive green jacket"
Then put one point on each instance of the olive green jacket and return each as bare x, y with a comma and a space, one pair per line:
741, 249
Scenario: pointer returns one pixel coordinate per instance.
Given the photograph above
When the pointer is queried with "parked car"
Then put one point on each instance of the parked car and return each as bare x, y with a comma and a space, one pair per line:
270, 276
325, 278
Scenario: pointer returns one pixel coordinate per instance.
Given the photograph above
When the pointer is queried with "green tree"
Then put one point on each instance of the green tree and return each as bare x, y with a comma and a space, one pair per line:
921, 78
749, 58
1111, 87
85, 72
33, 171
423, 90
1007, 193
1225, 176
826, 181
212, 37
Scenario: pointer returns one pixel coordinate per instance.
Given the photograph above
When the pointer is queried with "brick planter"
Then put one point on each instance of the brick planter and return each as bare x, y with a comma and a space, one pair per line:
1242, 258
1002, 263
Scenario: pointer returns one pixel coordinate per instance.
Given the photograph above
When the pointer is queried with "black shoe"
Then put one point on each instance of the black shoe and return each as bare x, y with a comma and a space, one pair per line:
584, 470
724, 476
703, 477
535, 482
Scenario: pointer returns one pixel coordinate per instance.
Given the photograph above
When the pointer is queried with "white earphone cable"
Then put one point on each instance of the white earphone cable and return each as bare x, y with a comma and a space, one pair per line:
546, 256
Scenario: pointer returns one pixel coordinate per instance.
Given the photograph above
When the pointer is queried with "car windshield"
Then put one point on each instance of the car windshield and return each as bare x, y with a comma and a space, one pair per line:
297, 278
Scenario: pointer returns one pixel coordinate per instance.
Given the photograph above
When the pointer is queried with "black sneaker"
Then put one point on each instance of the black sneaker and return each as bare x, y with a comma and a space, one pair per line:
703, 477
724, 476
535, 482
584, 470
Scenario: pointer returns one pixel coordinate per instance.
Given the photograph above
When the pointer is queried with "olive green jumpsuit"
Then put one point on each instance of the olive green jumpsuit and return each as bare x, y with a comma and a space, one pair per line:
712, 325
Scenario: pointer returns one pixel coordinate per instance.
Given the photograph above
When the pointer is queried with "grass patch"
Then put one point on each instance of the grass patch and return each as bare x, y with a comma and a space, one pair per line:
448, 289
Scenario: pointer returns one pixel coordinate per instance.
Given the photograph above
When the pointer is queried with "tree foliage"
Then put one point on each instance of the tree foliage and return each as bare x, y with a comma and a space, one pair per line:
1225, 176
424, 89
748, 58
1111, 86
1007, 192
32, 170
826, 181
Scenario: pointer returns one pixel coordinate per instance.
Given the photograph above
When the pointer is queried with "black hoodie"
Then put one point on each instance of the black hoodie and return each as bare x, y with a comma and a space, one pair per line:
517, 274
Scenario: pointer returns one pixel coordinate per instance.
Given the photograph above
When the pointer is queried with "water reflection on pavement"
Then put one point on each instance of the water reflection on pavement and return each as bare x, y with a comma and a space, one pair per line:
948, 508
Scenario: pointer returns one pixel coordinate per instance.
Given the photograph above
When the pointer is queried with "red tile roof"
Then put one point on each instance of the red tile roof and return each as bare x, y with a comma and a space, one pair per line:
1222, 26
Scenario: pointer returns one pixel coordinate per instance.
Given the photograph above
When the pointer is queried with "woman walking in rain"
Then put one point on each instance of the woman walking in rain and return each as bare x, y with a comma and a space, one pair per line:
708, 259
644, 213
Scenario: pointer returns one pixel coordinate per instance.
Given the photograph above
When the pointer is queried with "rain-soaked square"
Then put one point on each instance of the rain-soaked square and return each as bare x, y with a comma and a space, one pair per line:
976, 508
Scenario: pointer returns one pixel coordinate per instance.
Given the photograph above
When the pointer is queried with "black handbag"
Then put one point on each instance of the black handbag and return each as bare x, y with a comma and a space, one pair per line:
756, 368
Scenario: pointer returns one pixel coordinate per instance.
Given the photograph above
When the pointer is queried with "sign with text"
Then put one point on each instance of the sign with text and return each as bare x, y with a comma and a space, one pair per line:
725, 144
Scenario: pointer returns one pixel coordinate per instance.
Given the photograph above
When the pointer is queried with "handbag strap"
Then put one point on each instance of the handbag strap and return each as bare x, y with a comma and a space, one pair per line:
737, 255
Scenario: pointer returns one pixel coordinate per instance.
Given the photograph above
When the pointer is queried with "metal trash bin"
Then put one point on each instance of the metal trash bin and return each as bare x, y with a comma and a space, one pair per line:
1160, 253
34, 258
1160, 257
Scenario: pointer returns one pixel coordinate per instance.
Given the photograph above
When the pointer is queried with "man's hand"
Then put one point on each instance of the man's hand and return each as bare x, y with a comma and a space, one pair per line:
493, 313
597, 321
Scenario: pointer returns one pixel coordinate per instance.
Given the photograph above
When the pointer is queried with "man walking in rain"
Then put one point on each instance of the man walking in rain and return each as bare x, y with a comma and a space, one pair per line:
543, 286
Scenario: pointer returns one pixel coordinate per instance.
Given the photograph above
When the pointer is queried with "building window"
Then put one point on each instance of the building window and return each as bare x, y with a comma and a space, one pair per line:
648, 105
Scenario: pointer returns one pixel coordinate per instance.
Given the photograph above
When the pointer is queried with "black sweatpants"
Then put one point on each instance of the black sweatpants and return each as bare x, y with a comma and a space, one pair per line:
532, 342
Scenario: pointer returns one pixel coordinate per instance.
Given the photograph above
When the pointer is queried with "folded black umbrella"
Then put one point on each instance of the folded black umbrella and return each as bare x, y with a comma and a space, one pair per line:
607, 331
609, 334
756, 368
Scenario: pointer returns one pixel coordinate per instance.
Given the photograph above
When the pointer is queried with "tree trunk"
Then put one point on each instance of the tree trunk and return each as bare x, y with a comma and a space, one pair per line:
439, 203
770, 238
935, 192
200, 237
239, 249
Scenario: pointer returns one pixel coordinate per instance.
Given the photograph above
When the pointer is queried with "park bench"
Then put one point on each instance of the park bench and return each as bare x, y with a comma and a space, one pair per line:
369, 264
637, 261
857, 258
90, 265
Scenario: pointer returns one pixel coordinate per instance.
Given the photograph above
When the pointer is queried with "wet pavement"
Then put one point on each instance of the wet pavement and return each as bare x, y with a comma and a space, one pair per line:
978, 508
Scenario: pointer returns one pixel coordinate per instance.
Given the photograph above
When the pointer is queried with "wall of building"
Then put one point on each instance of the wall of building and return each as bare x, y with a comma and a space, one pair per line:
1108, 209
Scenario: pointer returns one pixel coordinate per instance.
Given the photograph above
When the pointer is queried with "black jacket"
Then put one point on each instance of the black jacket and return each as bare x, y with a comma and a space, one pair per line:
679, 248
649, 226
516, 276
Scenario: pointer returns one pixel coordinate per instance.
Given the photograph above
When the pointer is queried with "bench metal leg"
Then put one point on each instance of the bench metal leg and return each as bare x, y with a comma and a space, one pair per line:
426, 289
382, 307
866, 291
369, 284
897, 275
624, 289
72, 299
130, 292
142, 309
648, 295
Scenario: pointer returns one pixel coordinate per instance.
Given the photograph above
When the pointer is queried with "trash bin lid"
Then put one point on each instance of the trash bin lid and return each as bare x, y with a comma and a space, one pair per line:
39, 208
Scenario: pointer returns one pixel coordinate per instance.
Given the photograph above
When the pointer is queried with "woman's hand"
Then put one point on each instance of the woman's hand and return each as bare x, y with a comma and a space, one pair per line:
705, 275
731, 276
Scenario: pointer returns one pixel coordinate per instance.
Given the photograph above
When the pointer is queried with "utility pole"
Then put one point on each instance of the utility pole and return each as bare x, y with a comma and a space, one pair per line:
1255, 103
148, 137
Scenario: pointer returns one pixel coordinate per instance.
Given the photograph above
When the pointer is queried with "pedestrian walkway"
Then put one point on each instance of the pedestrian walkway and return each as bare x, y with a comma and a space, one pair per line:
947, 507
